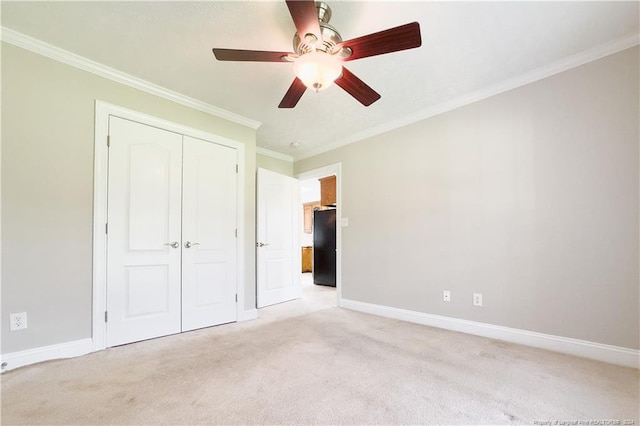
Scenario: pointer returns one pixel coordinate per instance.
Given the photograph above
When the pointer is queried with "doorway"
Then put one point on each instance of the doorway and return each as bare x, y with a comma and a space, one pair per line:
316, 283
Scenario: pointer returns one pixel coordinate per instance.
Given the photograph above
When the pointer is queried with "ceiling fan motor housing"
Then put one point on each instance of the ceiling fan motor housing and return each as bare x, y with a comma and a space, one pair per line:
330, 36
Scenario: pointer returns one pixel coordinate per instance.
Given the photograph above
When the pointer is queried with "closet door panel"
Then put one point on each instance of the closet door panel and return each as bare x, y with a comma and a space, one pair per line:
144, 218
209, 269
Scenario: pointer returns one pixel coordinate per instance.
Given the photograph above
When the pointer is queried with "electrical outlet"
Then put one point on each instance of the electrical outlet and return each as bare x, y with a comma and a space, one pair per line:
446, 296
18, 321
477, 299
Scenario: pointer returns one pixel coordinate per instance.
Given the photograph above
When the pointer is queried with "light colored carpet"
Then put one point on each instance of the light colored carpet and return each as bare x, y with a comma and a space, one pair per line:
306, 362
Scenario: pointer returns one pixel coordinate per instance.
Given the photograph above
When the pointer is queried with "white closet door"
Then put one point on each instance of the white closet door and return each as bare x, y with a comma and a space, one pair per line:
209, 269
143, 240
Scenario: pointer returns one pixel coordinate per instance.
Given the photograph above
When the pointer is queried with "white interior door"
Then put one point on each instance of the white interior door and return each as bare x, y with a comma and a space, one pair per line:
209, 265
144, 232
278, 250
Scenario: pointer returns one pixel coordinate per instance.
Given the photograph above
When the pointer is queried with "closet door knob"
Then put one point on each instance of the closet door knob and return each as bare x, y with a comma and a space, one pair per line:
174, 244
189, 244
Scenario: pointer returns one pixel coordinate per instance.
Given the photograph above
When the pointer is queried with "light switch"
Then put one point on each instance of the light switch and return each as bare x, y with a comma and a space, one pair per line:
344, 222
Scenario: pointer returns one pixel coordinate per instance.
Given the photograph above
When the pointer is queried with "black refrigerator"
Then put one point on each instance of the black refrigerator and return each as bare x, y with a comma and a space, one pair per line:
324, 247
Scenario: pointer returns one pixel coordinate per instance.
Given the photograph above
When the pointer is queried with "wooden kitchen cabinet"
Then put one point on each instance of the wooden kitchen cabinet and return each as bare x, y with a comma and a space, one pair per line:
328, 191
307, 209
307, 259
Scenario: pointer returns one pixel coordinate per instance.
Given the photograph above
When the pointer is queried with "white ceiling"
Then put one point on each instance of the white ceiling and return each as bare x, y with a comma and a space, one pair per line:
469, 50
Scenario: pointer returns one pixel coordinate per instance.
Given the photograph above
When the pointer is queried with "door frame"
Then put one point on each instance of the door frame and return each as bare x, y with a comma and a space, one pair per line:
332, 169
100, 180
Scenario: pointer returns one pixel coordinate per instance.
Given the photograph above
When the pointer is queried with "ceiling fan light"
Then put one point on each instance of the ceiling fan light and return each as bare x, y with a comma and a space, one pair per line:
317, 70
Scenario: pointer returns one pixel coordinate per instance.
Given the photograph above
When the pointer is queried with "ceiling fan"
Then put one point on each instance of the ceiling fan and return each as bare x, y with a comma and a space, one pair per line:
319, 52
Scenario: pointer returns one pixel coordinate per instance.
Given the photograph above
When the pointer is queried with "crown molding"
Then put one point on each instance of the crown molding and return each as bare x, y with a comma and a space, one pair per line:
273, 154
557, 67
37, 46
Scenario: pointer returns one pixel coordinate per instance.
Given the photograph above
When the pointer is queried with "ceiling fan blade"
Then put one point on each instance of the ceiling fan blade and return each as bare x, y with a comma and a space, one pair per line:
357, 88
293, 95
305, 17
250, 55
392, 40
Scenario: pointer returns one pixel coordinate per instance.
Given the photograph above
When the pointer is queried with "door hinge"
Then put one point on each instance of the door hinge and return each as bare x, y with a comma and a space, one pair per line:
106, 316
108, 141
236, 232
236, 168
236, 297
106, 228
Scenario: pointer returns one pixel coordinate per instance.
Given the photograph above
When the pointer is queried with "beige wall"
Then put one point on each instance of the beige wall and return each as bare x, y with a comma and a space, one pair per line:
529, 197
47, 191
274, 164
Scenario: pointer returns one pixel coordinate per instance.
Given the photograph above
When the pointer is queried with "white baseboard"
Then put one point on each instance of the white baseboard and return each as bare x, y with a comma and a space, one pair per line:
71, 349
46, 353
248, 314
598, 351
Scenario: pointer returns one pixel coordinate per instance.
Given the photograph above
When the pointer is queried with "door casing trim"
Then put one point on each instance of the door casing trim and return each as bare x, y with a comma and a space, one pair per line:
100, 181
